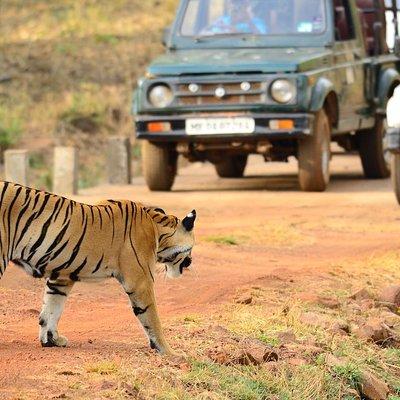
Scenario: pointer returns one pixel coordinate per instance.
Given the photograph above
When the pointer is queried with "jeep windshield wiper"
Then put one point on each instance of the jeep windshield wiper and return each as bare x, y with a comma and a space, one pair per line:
244, 36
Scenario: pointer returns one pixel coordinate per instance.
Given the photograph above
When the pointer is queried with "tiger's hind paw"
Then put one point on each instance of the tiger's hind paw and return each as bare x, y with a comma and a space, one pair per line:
51, 341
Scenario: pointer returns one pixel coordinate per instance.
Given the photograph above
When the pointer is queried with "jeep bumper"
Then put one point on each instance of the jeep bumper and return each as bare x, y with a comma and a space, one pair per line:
175, 127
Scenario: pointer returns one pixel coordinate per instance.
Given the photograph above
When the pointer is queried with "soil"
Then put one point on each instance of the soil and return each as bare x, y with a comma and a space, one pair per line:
354, 219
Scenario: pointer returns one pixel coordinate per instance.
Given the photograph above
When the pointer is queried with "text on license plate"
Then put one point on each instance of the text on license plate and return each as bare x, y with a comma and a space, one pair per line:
209, 126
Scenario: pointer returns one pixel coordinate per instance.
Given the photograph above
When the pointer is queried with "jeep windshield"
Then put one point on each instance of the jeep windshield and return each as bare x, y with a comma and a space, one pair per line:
213, 19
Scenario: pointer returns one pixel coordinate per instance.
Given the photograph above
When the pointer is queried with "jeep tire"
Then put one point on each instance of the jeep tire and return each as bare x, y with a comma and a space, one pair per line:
372, 151
231, 166
314, 155
159, 166
395, 168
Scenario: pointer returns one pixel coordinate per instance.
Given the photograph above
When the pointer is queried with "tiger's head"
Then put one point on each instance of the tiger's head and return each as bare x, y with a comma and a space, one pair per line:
176, 243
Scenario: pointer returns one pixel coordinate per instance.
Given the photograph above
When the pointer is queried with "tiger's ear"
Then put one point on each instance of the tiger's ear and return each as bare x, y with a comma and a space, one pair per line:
188, 221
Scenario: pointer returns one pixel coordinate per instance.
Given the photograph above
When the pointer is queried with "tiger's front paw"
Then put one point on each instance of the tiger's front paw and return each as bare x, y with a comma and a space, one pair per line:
53, 341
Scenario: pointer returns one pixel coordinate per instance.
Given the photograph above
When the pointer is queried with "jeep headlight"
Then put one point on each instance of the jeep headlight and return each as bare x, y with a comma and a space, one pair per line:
283, 91
160, 96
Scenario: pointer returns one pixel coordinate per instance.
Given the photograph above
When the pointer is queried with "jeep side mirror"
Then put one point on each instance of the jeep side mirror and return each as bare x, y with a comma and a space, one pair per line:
397, 46
166, 35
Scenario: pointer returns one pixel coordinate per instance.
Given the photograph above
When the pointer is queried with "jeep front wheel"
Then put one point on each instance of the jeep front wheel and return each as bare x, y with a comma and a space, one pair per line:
159, 166
231, 167
314, 155
375, 158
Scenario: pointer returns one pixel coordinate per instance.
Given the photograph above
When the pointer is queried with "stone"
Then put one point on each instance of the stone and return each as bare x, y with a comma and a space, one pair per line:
392, 320
244, 299
391, 294
287, 337
65, 173
361, 294
333, 361
297, 362
373, 330
314, 319
16, 166
372, 387
304, 349
328, 302
119, 160
340, 326
367, 304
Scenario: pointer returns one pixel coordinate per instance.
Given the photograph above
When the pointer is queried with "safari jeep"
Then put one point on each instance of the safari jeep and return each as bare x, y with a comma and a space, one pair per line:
278, 78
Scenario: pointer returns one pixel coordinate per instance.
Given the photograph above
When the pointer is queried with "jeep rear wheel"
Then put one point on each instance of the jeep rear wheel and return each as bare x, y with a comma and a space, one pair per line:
159, 166
395, 168
231, 167
314, 155
375, 158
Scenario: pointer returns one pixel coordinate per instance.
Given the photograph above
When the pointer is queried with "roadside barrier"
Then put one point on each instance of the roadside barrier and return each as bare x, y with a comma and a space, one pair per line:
119, 160
66, 166
16, 166
65, 171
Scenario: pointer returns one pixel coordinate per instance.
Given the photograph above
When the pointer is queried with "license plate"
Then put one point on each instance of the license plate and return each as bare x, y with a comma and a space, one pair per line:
224, 126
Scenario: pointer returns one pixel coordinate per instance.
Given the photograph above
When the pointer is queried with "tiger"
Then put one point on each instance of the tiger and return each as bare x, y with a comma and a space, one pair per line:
64, 241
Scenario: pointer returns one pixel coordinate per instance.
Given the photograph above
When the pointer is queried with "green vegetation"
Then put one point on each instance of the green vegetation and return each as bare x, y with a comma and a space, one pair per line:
70, 68
226, 240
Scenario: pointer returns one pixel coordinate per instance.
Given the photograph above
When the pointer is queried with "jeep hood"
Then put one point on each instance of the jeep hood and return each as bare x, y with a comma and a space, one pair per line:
260, 60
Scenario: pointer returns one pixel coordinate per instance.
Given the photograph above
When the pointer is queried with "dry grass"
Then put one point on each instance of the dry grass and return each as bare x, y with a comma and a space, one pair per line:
72, 59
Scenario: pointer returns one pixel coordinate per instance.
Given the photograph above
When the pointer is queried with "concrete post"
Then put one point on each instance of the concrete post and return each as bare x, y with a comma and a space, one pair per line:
119, 160
16, 166
65, 178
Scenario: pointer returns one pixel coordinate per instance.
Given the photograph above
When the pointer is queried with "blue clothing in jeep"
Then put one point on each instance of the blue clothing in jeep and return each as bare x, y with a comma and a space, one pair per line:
225, 24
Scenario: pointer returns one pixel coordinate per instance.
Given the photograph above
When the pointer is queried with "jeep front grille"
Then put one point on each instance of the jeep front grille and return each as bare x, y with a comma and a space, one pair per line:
241, 92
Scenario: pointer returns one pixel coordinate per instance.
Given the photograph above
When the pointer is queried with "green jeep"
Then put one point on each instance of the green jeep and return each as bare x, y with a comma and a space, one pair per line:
277, 78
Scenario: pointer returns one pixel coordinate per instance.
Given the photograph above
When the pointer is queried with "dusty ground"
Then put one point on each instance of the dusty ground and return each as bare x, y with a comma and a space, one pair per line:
281, 239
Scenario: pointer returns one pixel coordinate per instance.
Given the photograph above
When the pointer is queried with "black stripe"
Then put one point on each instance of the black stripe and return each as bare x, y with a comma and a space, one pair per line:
56, 241
91, 212
101, 217
126, 219
37, 197
56, 254
106, 210
20, 215
134, 250
162, 220
74, 275
61, 206
54, 289
9, 221
45, 201
98, 265
41, 238
74, 252
3, 192
113, 224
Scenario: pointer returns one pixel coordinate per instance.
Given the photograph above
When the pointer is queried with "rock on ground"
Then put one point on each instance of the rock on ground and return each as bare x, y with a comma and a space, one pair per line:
391, 294
372, 387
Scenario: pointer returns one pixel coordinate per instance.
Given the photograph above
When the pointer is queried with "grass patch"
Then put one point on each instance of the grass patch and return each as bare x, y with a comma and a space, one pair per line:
10, 126
225, 240
103, 368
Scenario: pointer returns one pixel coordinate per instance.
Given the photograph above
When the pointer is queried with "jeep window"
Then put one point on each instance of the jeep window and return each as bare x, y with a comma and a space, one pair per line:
344, 29
213, 18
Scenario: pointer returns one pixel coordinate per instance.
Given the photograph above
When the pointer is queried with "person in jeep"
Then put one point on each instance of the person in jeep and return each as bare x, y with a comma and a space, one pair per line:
239, 18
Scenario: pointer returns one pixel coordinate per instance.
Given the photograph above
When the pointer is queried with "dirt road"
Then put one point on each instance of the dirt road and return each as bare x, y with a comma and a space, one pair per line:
274, 230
